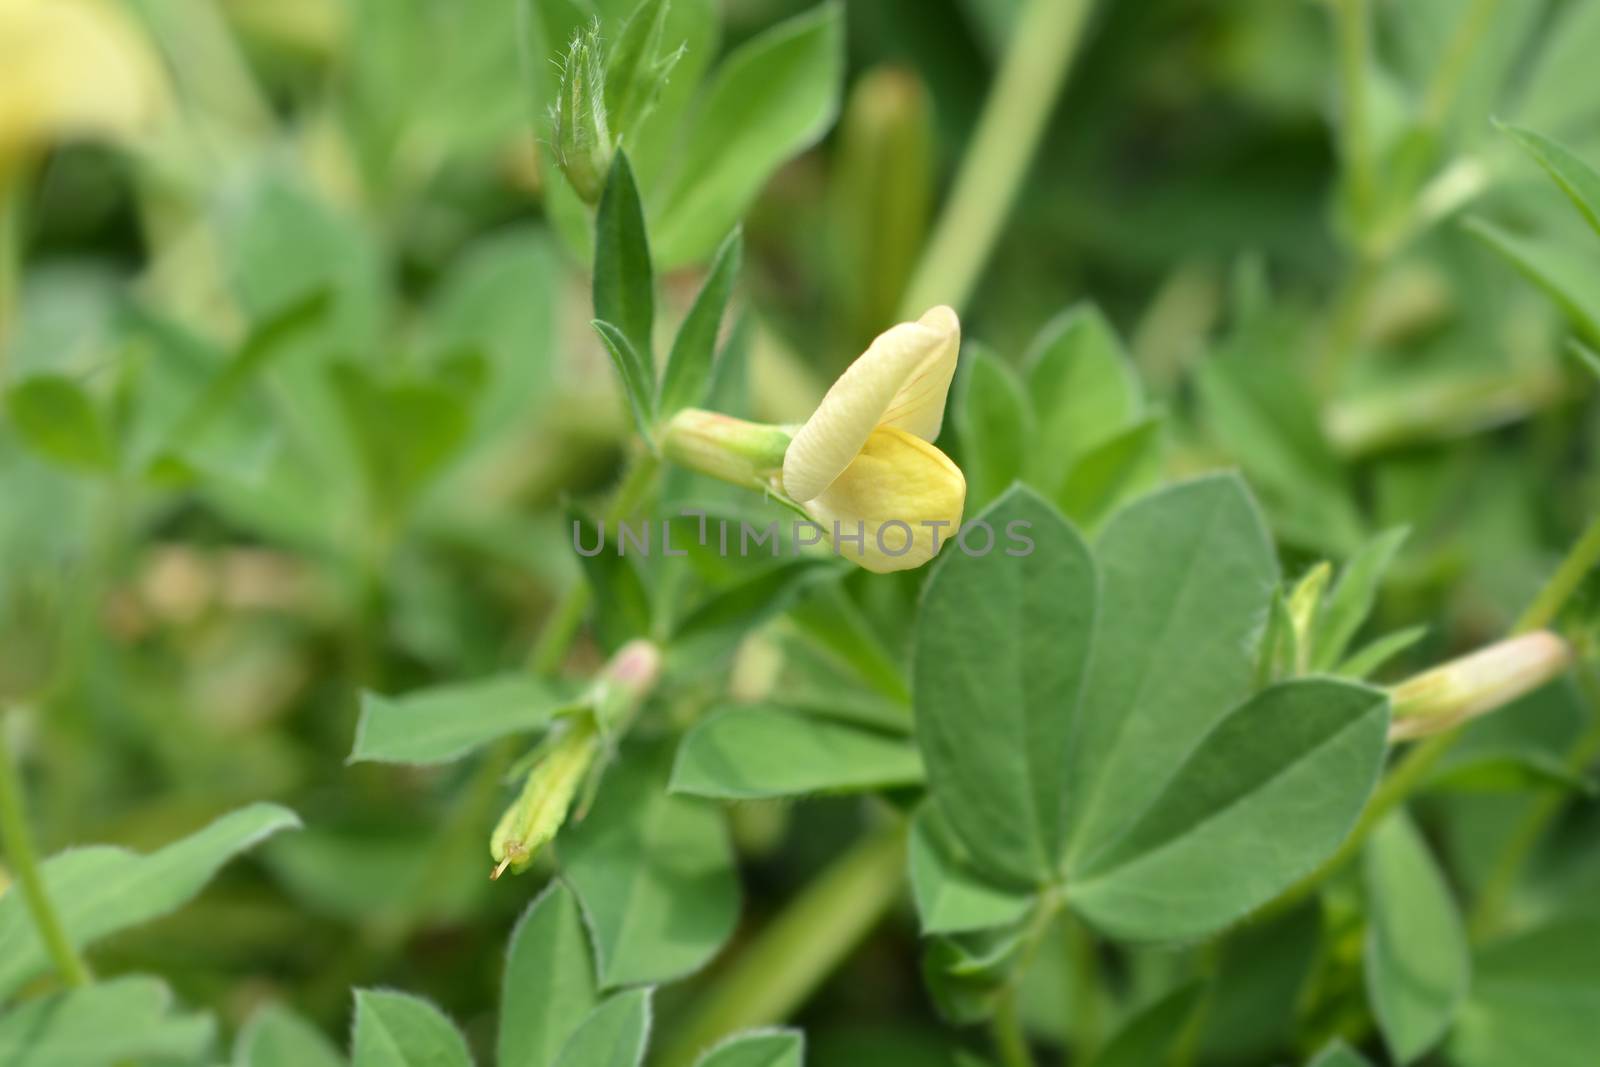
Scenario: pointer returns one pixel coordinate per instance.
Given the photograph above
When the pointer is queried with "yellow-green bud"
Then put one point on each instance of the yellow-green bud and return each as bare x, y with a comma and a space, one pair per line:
744, 453
541, 809
1465, 688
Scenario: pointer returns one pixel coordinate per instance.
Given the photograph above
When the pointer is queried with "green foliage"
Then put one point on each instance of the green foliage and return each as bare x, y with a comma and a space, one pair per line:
745, 753
398, 1030
125, 1019
1417, 966
446, 722
653, 872
104, 890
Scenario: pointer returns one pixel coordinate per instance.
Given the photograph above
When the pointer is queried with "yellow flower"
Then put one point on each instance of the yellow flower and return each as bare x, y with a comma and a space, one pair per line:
71, 68
864, 466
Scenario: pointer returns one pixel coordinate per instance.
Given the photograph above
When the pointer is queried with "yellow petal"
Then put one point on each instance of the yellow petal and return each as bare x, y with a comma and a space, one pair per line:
901, 380
72, 68
902, 495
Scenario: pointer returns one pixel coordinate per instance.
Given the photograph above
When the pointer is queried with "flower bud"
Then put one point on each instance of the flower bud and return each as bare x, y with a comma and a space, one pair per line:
743, 453
581, 136
546, 798
1463, 689
627, 679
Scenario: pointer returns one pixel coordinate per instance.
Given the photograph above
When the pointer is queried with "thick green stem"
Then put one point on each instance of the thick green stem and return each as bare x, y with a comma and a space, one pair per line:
567, 615
1492, 900
24, 860
783, 966
1030, 78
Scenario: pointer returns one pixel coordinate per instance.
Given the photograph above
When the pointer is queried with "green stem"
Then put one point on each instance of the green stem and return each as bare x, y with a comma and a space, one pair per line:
1083, 963
1581, 559
1453, 66
782, 967
1353, 24
567, 616
1014, 116
1490, 907
24, 860
1010, 1040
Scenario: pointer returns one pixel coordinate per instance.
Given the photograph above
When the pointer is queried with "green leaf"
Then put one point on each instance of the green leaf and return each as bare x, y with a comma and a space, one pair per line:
637, 70
742, 753
1535, 1000
654, 873
772, 97
1262, 972
612, 1035
1417, 962
1083, 388
758, 1048
104, 1025
1571, 279
1587, 356
1339, 1054
1151, 1035
405, 431
994, 424
951, 896
688, 373
624, 284
1112, 471
1267, 794
446, 722
549, 984
1576, 178
100, 890
400, 1030
998, 662
55, 417
1348, 605
1187, 577
1263, 413
1380, 650
277, 1037
636, 375
714, 627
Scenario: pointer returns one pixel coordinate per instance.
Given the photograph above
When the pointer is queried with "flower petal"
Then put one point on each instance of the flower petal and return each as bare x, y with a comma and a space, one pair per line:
72, 68
894, 489
901, 380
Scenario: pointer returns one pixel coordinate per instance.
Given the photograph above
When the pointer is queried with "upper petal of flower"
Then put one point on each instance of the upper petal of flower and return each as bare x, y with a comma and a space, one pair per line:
897, 485
901, 380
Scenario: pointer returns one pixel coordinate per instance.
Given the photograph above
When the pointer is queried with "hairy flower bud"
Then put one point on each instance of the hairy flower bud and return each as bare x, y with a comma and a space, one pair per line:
541, 809
581, 135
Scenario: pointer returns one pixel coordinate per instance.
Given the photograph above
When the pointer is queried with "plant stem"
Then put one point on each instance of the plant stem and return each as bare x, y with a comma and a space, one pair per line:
1490, 907
1036, 63
1452, 68
1083, 963
782, 967
567, 615
24, 860
1010, 1041
1583, 557
1353, 25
